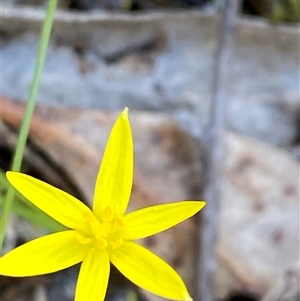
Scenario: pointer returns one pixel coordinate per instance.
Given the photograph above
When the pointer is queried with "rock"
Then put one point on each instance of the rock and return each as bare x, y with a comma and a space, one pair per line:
259, 226
158, 61
260, 116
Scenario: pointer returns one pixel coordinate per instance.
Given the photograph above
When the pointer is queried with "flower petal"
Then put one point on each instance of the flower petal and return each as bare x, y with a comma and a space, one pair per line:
93, 276
60, 205
43, 255
154, 219
148, 271
114, 182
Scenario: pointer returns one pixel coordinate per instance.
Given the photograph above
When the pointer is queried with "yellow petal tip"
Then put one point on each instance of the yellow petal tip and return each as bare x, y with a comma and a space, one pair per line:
188, 298
9, 173
185, 296
124, 114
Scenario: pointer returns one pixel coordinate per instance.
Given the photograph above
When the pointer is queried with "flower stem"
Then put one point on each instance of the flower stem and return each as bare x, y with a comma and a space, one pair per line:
22, 138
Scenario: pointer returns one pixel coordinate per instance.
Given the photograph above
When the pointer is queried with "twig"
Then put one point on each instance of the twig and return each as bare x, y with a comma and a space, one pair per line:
216, 150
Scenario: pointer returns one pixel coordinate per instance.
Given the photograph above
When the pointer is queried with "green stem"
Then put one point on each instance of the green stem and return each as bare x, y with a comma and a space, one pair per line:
20, 147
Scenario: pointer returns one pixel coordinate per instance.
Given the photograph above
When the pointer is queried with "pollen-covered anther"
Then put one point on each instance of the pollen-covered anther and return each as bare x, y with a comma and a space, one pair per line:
83, 239
118, 222
114, 244
88, 216
102, 243
107, 214
92, 221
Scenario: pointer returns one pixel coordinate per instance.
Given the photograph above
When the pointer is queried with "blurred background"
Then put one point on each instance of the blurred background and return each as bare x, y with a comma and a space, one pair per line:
158, 58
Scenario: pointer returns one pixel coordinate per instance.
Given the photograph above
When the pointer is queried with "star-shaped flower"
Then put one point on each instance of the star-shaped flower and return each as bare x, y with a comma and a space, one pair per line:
102, 235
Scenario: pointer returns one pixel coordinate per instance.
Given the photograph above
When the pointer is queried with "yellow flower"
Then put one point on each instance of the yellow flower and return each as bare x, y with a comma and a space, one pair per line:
103, 235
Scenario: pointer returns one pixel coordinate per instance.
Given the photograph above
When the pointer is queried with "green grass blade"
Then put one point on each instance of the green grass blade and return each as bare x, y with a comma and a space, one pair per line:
18, 156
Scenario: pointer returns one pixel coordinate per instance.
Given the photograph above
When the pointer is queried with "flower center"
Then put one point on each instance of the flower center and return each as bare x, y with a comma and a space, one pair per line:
105, 233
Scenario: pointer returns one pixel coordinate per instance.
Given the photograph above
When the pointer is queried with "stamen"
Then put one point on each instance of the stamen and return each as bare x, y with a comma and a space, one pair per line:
118, 222
88, 216
83, 239
102, 243
107, 214
105, 232
116, 243
92, 221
